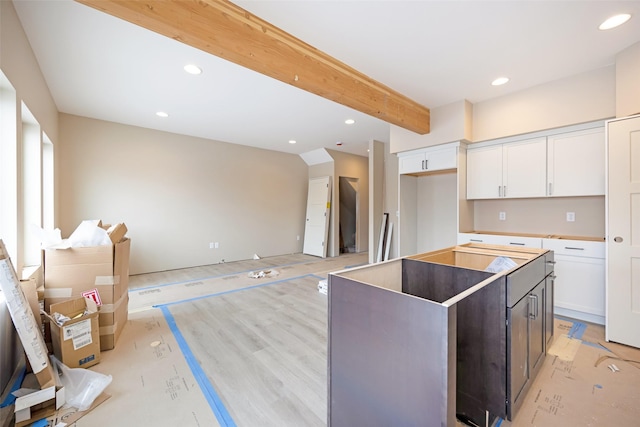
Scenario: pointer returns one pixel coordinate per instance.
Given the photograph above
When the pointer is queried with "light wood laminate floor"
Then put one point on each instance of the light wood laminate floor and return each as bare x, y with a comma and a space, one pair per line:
213, 346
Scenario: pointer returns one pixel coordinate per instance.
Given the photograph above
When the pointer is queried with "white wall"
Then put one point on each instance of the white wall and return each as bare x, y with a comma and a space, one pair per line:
578, 99
176, 194
628, 82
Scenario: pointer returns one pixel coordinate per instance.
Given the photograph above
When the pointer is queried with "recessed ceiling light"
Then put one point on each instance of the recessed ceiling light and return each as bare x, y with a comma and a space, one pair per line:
349, 121
614, 21
192, 69
500, 81
162, 114
291, 141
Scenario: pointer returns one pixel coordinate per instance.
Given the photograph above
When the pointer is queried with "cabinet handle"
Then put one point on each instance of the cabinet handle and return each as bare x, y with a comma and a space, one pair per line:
550, 188
426, 164
516, 243
422, 165
476, 240
551, 262
574, 249
499, 190
504, 191
533, 315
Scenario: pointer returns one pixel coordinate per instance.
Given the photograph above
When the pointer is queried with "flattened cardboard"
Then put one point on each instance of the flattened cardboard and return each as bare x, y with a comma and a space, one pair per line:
25, 322
77, 342
67, 416
576, 392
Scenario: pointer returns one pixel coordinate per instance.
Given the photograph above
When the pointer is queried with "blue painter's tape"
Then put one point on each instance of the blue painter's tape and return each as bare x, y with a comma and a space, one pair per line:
220, 411
499, 422
235, 290
208, 278
355, 265
40, 423
16, 385
577, 330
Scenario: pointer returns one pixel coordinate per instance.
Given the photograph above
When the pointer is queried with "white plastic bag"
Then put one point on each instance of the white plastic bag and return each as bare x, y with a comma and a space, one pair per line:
82, 386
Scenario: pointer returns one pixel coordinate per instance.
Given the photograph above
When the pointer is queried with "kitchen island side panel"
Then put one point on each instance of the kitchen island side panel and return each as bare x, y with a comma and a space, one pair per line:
480, 334
388, 369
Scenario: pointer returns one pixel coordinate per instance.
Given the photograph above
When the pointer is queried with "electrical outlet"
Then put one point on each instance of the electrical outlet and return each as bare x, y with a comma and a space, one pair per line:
571, 216
216, 245
298, 237
502, 216
211, 245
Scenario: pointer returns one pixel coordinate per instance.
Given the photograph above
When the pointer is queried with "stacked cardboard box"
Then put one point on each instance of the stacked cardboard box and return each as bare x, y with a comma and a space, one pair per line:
97, 272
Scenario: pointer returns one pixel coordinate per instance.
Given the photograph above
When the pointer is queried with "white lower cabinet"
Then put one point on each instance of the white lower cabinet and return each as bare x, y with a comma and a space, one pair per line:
500, 239
579, 291
580, 278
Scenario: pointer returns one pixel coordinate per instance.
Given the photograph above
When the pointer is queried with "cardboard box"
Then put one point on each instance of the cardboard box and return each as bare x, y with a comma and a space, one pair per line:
112, 319
25, 322
98, 272
76, 342
117, 232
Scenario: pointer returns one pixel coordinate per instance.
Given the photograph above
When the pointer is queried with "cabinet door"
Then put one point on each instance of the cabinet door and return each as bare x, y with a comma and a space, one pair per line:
580, 284
536, 326
484, 172
412, 163
441, 159
580, 276
525, 168
518, 351
576, 162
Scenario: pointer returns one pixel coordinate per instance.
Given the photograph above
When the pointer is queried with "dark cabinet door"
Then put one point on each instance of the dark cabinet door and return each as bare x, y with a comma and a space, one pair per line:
518, 353
536, 325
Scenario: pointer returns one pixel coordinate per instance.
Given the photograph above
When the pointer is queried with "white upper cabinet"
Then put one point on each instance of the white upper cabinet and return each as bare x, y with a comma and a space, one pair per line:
510, 170
576, 162
428, 160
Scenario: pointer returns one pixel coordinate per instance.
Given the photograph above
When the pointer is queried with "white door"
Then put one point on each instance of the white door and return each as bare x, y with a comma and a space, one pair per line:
623, 231
316, 229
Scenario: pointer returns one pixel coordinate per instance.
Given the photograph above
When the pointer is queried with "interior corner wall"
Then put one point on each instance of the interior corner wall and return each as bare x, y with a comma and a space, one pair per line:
578, 99
376, 195
449, 123
350, 166
627, 81
391, 198
177, 194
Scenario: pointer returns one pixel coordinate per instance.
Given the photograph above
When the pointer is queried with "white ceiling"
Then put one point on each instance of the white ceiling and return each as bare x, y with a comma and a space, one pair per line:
435, 52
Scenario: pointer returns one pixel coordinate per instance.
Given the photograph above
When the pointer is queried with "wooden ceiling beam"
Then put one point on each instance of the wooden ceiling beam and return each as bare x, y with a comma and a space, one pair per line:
225, 30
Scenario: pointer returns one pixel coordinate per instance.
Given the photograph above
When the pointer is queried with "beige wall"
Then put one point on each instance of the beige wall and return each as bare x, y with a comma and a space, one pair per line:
628, 81
578, 99
542, 216
350, 166
19, 64
582, 98
449, 123
176, 194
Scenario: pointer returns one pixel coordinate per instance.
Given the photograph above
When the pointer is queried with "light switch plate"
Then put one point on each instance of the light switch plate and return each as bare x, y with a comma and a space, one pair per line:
571, 216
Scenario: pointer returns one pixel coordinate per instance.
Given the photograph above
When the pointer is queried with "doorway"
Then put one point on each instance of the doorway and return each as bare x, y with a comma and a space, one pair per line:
348, 215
